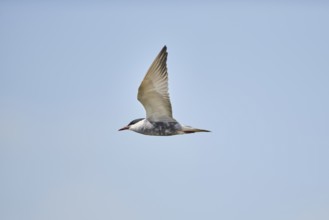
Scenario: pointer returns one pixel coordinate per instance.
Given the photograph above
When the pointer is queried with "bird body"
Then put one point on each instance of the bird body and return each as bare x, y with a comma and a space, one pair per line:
154, 96
159, 128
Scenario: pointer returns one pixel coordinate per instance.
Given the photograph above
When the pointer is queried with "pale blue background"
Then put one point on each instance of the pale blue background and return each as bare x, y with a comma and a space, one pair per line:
255, 73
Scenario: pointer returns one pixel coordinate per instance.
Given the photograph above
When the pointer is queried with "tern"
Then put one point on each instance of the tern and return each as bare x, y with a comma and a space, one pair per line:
154, 96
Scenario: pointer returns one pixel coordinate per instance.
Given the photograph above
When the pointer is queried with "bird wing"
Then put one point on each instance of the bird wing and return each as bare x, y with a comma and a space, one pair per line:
153, 91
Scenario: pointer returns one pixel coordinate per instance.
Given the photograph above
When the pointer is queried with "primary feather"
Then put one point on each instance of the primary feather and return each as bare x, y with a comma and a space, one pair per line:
153, 91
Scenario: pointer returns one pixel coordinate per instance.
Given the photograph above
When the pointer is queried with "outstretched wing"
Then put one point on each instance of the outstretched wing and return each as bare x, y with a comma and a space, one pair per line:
153, 91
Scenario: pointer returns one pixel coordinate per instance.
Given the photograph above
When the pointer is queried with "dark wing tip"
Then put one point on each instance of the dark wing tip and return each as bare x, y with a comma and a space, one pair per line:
162, 58
164, 49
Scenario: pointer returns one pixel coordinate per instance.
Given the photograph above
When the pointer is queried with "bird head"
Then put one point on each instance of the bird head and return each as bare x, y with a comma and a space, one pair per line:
130, 124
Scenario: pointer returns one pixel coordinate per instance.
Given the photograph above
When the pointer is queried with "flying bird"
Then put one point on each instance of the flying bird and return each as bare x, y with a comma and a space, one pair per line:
154, 96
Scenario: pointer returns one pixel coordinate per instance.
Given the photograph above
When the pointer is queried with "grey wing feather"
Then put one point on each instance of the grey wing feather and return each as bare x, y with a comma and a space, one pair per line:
153, 91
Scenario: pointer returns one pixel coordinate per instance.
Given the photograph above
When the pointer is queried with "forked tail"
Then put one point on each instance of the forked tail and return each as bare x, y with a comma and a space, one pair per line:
190, 130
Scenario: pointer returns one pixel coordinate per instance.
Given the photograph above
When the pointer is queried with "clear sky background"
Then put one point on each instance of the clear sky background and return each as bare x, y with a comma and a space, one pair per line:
254, 73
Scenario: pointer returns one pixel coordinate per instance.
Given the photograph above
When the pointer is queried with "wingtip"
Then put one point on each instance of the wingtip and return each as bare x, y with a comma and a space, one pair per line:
164, 49
163, 53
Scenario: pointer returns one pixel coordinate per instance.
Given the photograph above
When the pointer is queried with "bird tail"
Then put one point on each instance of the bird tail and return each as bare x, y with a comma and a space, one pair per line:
190, 130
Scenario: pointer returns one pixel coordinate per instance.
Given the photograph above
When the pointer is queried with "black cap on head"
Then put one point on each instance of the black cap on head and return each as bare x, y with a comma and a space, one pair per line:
135, 121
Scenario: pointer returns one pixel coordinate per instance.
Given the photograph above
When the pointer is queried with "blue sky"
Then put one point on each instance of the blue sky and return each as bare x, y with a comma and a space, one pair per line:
255, 73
